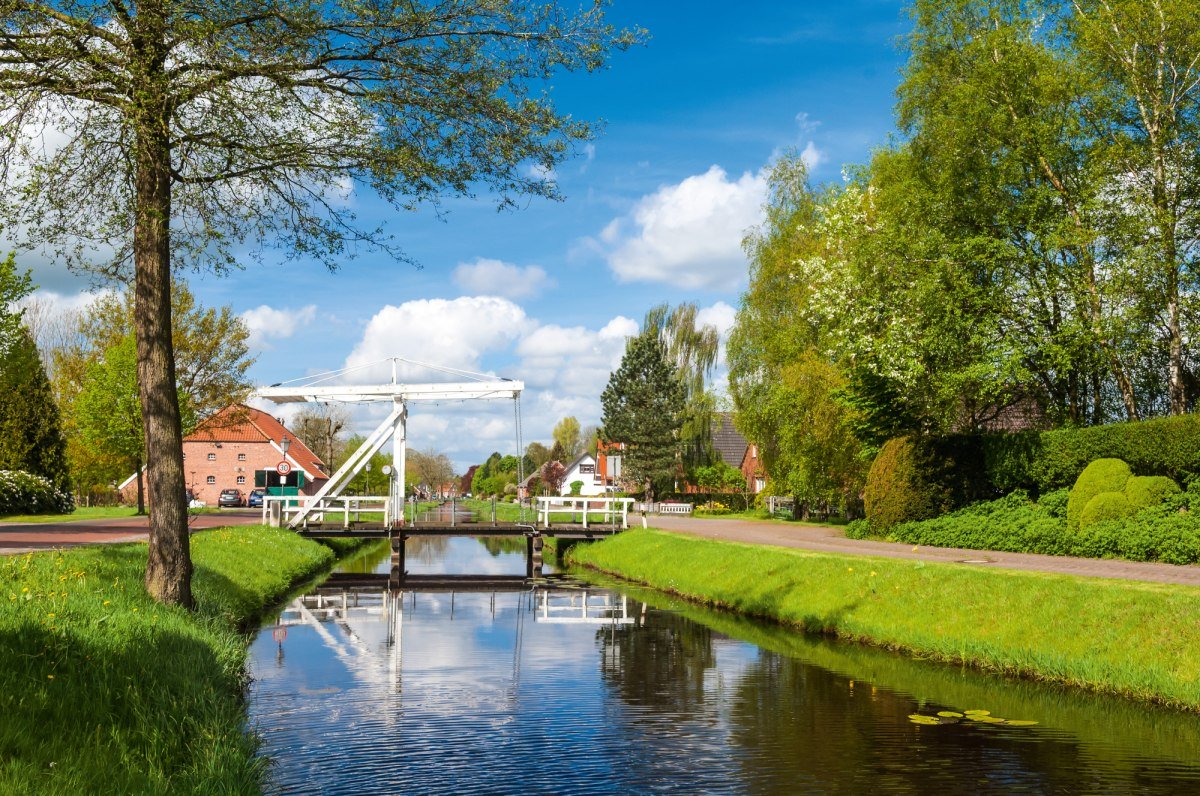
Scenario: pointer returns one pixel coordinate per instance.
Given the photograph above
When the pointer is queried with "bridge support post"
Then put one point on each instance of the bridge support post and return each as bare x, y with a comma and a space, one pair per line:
533, 555
398, 556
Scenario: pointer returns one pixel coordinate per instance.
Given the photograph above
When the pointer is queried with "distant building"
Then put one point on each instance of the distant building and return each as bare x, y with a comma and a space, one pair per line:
584, 469
238, 448
736, 451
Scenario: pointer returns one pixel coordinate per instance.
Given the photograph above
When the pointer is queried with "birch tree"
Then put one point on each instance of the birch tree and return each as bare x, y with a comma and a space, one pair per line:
139, 138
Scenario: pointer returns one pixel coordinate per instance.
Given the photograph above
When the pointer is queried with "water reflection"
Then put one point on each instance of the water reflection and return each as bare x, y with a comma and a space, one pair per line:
553, 686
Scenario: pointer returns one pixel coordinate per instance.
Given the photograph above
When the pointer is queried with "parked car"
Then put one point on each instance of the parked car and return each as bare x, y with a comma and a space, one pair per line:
255, 499
231, 498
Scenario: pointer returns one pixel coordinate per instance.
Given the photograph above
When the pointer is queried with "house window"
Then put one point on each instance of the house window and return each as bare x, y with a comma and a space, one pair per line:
760, 484
212, 479
212, 457
241, 479
241, 457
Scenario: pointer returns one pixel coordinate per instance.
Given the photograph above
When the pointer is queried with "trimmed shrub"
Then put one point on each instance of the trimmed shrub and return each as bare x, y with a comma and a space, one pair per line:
1102, 475
1144, 491
903, 484
1106, 506
858, 529
25, 493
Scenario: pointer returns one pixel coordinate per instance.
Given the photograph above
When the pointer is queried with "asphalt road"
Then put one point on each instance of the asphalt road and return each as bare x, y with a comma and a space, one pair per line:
25, 537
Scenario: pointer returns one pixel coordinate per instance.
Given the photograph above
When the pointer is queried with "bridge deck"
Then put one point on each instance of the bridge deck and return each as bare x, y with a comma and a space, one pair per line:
368, 530
340, 581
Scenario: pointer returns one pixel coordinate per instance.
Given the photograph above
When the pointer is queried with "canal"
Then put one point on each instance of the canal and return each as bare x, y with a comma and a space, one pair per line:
584, 687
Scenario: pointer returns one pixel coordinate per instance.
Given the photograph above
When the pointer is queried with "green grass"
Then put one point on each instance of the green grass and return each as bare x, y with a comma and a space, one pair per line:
102, 690
1129, 638
81, 513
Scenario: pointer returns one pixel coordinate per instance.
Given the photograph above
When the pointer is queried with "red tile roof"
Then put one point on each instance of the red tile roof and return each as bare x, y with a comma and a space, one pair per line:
241, 423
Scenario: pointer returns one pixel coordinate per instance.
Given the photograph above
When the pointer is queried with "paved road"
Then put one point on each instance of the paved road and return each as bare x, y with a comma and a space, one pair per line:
23, 537
828, 539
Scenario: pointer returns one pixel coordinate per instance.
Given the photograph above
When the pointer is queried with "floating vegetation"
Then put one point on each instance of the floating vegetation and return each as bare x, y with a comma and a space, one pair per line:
976, 716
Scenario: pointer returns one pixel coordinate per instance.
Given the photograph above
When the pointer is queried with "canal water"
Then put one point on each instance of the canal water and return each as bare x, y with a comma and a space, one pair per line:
575, 687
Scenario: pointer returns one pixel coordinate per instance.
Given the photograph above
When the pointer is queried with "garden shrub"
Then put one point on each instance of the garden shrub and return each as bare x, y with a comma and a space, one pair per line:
858, 529
1102, 475
25, 493
1144, 491
1055, 502
1105, 506
1016, 524
901, 485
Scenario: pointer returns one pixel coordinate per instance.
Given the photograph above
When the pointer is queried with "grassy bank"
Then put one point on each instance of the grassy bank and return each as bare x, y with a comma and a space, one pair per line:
102, 690
1134, 639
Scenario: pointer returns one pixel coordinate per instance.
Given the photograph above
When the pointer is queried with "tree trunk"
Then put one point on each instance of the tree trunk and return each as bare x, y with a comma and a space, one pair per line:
169, 568
141, 485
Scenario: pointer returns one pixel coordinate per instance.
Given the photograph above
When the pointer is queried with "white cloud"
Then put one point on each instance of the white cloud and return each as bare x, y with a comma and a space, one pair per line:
498, 278
689, 234
719, 315
453, 333
267, 323
812, 156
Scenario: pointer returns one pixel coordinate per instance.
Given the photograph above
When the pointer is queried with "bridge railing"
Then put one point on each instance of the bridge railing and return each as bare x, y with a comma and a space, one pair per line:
611, 511
281, 510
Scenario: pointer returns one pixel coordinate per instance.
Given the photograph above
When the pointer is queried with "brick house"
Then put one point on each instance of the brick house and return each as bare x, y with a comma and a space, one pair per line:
737, 452
229, 448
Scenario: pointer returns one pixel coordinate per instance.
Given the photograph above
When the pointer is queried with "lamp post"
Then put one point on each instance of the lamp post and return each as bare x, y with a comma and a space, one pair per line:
368, 477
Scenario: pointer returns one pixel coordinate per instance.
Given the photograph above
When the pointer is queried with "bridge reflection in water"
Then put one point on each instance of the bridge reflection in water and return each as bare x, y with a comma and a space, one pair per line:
346, 600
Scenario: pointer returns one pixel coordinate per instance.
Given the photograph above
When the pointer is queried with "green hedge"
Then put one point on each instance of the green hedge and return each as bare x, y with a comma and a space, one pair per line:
1103, 476
1046, 460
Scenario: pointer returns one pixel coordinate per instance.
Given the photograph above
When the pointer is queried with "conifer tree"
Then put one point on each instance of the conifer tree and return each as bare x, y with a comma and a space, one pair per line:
31, 436
642, 405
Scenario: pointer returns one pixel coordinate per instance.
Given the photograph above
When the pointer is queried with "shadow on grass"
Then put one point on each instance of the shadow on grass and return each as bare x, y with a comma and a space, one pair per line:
134, 704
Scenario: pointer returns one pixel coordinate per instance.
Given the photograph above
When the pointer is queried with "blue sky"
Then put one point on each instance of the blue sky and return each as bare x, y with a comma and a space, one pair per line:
655, 210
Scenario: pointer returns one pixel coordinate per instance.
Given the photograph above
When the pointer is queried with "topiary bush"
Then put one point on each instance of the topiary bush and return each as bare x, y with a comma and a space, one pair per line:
25, 493
1105, 506
1102, 475
902, 485
1144, 491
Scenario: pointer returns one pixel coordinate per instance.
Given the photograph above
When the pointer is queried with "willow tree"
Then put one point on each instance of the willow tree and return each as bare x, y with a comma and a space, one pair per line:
692, 347
144, 136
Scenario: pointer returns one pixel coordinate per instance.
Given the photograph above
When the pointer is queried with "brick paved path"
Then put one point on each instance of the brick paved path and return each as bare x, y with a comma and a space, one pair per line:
24, 537
827, 539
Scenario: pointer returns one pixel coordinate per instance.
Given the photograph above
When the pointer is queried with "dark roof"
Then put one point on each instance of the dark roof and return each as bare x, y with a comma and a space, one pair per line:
727, 441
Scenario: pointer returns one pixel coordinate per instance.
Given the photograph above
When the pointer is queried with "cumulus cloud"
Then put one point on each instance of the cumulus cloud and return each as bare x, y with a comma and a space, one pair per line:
688, 234
268, 324
497, 278
452, 333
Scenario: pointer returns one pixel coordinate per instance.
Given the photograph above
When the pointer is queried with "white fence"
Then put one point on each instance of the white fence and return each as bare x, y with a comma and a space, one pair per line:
281, 510
612, 511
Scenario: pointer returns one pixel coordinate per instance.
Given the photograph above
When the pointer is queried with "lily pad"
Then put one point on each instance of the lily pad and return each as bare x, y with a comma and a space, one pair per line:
917, 718
949, 714
1020, 723
977, 712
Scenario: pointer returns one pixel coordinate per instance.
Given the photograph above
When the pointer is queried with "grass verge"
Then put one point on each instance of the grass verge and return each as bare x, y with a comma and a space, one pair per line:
1123, 637
102, 690
81, 513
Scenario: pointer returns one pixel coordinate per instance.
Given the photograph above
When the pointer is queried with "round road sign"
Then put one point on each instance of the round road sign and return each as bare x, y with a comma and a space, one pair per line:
283, 468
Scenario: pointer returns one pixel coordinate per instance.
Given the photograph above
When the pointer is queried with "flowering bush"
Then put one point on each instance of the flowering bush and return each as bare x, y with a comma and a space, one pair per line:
25, 493
715, 507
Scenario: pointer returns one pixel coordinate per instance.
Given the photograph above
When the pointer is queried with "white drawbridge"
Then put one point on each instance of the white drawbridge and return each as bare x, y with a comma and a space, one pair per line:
319, 389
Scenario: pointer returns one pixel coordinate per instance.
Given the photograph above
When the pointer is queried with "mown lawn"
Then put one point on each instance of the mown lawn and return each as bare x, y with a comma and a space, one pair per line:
1131, 638
81, 513
102, 690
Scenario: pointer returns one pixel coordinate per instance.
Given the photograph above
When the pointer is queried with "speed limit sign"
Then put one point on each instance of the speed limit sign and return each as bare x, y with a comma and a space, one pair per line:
283, 468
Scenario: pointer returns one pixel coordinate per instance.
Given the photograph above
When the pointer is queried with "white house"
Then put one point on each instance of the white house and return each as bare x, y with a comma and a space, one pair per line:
584, 469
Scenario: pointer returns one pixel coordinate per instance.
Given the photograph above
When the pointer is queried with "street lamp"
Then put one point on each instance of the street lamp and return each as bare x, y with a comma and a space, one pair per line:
284, 444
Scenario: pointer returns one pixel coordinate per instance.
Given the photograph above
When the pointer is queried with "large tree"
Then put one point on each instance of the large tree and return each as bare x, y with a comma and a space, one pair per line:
692, 347
566, 436
192, 131
642, 407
